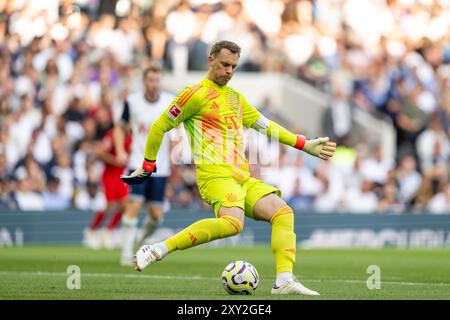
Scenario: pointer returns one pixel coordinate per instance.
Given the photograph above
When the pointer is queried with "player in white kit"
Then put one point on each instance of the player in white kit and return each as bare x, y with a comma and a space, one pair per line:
141, 109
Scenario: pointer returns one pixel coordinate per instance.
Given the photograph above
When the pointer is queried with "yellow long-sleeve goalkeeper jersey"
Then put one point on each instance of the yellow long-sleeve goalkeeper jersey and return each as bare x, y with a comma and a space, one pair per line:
214, 117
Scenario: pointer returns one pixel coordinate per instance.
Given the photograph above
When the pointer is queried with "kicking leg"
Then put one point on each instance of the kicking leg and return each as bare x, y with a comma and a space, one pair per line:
229, 223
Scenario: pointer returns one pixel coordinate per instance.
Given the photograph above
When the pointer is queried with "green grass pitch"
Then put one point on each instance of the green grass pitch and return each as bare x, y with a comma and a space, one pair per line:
40, 272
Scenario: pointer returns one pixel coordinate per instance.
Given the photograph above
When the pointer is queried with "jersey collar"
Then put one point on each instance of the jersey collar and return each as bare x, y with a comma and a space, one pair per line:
212, 83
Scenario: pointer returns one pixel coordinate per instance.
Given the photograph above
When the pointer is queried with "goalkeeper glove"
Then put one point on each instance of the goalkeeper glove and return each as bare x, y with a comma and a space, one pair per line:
139, 175
321, 147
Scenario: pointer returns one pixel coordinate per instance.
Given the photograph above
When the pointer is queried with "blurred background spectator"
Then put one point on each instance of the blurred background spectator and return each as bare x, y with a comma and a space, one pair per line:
66, 67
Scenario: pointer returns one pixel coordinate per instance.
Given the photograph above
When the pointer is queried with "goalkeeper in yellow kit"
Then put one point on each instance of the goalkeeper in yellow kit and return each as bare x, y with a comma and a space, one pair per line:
214, 116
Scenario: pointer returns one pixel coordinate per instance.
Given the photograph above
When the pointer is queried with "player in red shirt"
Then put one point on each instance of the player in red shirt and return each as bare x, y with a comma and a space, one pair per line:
116, 192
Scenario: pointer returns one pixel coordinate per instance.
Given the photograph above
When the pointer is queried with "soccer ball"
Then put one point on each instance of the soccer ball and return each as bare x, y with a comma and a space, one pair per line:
240, 277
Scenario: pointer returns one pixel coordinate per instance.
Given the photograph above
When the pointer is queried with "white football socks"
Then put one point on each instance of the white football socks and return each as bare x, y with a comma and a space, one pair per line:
163, 247
282, 277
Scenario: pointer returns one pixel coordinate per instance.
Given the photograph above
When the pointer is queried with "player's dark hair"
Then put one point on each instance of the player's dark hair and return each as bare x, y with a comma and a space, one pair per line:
153, 67
233, 47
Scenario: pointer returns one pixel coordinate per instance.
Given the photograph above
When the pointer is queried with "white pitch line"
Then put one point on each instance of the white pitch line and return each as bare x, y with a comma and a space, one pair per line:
401, 283
197, 277
106, 275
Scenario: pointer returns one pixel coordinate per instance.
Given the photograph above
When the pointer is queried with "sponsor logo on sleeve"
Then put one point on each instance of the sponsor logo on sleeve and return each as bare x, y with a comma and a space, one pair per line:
174, 111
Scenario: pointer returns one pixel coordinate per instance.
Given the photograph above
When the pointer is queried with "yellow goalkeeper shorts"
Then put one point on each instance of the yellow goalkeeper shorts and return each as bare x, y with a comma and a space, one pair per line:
230, 193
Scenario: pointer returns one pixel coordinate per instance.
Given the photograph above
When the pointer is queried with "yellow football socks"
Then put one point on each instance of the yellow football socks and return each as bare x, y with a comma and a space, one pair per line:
283, 239
204, 231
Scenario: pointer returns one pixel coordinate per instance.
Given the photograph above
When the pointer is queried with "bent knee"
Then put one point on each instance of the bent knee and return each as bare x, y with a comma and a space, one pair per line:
267, 206
283, 211
234, 212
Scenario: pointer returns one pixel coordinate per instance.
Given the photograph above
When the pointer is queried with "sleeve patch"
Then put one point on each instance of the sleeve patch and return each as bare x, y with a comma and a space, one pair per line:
174, 111
262, 123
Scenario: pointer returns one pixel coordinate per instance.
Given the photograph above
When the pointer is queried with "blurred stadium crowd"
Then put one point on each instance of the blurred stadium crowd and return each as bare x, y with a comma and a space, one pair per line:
67, 66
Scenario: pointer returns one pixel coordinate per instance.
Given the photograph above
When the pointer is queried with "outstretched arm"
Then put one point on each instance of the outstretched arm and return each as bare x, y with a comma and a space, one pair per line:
318, 147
